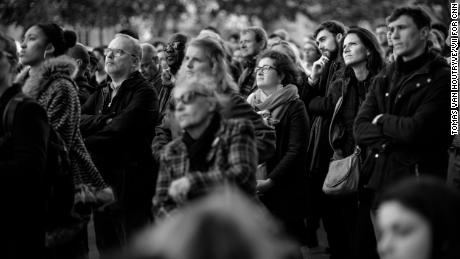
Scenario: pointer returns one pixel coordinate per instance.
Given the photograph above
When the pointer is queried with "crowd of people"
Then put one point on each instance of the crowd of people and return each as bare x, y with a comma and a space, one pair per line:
219, 148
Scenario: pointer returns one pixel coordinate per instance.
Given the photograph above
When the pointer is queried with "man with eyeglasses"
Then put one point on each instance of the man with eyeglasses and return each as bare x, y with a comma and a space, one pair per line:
118, 123
174, 53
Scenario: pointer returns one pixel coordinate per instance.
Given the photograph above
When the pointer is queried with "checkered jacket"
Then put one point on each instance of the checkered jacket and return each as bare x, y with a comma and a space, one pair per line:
233, 158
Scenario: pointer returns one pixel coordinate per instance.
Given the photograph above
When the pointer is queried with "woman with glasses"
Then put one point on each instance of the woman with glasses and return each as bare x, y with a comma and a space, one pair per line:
211, 151
283, 189
47, 78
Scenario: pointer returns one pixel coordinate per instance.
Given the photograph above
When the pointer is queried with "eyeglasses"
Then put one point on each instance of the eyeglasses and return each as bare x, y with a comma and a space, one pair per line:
117, 52
173, 46
186, 98
264, 69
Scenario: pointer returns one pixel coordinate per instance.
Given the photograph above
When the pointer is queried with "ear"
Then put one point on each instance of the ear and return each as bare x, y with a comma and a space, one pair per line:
338, 37
425, 33
213, 105
49, 49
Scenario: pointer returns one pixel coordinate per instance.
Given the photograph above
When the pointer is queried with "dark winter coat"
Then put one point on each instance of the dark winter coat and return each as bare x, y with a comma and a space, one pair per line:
320, 107
413, 134
118, 134
22, 168
287, 168
352, 93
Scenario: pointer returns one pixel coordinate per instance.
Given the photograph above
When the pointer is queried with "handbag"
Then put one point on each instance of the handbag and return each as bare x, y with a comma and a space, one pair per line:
343, 175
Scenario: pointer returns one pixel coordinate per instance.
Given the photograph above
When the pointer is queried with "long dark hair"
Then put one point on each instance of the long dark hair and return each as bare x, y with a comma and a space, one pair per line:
374, 60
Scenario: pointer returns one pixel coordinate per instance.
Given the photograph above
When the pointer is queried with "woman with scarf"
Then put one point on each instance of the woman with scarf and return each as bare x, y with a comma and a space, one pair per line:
283, 189
211, 151
47, 78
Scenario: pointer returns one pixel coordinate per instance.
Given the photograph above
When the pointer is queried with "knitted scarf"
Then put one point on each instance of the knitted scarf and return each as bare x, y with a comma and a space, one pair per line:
275, 103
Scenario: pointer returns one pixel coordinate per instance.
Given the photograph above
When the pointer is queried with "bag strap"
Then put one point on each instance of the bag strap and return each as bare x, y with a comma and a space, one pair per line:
10, 110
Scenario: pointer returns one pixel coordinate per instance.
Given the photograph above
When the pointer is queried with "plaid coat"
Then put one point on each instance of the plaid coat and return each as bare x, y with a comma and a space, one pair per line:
233, 156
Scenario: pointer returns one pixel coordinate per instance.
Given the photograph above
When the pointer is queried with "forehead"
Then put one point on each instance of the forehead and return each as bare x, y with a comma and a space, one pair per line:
120, 43
35, 30
194, 51
352, 37
324, 33
248, 35
402, 20
393, 212
266, 61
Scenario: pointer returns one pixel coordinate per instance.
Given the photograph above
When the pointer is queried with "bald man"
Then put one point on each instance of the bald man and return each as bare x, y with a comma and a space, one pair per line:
150, 68
81, 56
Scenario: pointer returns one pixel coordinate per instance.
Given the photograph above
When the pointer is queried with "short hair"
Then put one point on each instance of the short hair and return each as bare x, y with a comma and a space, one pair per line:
212, 28
79, 52
60, 39
100, 49
420, 17
381, 25
332, 26
282, 33
130, 32
374, 60
437, 203
259, 34
158, 43
9, 46
288, 50
135, 46
284, 65
148, 49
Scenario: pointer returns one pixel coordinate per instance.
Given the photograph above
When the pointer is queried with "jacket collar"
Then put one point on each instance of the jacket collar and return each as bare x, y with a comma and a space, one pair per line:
33, 85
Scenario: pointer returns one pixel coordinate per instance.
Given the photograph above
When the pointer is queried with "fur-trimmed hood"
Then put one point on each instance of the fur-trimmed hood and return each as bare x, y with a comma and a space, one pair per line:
34, 84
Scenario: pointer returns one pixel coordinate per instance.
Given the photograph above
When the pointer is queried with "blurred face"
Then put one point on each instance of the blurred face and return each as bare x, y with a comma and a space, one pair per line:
149, 66
354, 52
6, 69
311, 55
196, 62
404, 234
381, 33
238, 56
119, 61
33, 47
101, 60
408, 41
192, 107
162, 60
248, 45
272, 41
327, 42
267, 76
